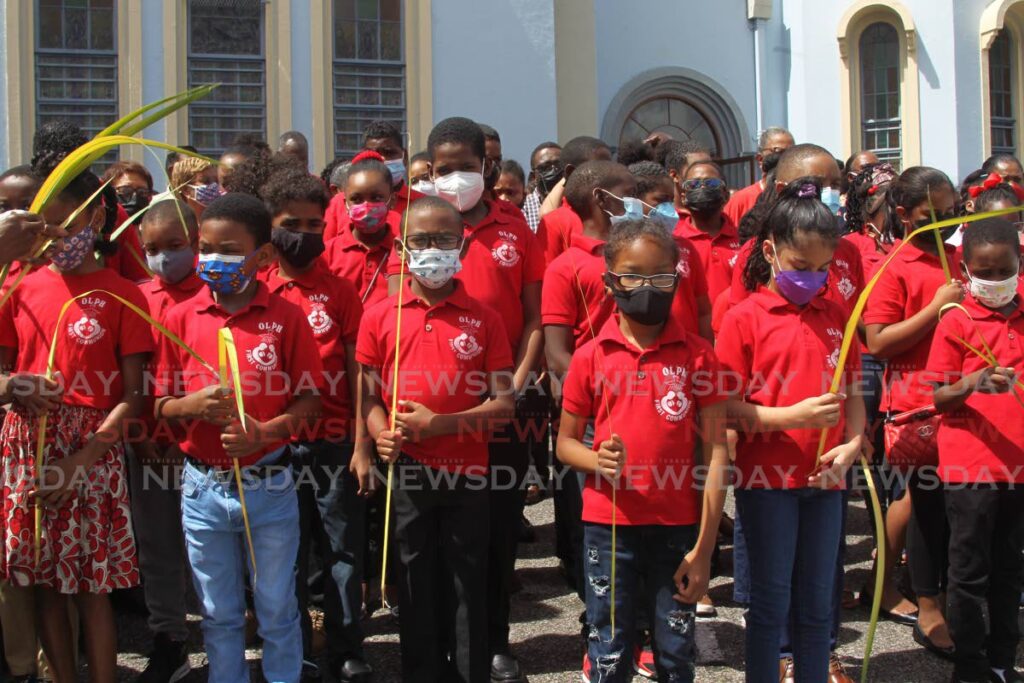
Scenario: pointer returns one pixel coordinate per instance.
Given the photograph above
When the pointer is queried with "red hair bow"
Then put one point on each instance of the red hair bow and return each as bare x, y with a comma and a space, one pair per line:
993, 181
367, 154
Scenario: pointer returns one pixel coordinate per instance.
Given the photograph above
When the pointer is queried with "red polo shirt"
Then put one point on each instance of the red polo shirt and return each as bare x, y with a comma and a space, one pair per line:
574, 288
983, 441
573, 293
845, 275
277, 358
742, 201
363, 267
651, 398
332, 309
555, 230
94, 334
161, 295
870, 257
905, 287
336, 216
502, 257
129, 258
718, 255
782, 354
446, 355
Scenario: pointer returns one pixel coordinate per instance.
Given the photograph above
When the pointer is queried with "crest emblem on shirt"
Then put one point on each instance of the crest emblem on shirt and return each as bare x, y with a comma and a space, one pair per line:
733, 260
263, 356
846, 287
683, 267
835, 335
465, 345
673, 405
319, 320
87, 330
506, 254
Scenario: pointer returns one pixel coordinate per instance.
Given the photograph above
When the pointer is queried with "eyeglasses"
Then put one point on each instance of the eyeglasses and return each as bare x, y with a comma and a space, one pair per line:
129, 194
442, 240
697, 183
633, 281
773, 150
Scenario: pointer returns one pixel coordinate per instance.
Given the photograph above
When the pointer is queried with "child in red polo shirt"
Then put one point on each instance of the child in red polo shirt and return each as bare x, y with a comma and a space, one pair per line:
900, 320
981, 454
454, 383
711, 231
645, 382
86, 547
502, 268
556, 227
783, 344
169, 235
361, 245
330, 507
281, 377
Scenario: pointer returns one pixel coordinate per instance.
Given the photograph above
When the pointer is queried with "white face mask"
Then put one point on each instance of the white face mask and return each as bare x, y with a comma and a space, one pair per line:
461, 189
993, 293
425, 187
433, 268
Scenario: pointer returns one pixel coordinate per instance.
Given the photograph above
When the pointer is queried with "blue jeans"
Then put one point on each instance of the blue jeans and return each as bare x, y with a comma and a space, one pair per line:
792, 538
217, 550
646, 559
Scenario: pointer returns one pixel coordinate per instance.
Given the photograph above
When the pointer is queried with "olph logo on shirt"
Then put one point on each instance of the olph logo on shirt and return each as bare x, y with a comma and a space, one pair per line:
87, 330
264, 356
674, 404
465, 345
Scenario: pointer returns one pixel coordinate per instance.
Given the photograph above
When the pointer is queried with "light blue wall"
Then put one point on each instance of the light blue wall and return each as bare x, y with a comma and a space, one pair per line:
495, 63
967, 18
153, 83
712, 38
302, 83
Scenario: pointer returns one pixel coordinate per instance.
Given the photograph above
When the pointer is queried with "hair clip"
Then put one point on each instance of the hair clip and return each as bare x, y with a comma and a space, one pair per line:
872, 190
808, 190
993, 181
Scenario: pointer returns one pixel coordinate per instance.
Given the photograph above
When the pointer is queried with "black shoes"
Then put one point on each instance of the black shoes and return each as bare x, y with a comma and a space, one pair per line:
354, 671
505, 669
168, 662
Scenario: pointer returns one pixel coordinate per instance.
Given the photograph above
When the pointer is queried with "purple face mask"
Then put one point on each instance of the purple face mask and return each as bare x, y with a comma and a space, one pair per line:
799, 286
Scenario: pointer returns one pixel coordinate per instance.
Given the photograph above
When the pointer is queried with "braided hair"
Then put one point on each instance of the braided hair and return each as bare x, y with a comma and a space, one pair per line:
753, 219
867, 194
797, 209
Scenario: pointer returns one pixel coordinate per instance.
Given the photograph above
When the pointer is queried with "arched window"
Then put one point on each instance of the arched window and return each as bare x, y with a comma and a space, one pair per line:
881, 129
677, 117
1001, 82
879, 81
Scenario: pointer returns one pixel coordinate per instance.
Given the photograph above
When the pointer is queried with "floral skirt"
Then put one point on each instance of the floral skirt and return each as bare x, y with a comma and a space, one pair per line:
87, 546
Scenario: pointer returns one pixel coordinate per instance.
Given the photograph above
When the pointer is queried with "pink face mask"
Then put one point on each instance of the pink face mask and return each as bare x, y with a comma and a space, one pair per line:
368, 217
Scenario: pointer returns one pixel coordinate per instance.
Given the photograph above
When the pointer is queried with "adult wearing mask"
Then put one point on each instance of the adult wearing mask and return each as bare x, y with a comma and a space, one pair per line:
545, 172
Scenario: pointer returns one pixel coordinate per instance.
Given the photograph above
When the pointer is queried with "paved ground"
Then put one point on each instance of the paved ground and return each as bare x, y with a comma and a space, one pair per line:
546, 628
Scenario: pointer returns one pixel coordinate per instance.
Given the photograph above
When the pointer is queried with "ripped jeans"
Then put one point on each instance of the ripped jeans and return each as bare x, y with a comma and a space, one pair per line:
646, 559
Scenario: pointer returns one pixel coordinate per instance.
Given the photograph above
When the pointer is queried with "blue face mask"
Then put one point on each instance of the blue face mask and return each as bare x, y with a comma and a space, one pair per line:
830, 198
665, 215
634, 209
397, 168
223, 274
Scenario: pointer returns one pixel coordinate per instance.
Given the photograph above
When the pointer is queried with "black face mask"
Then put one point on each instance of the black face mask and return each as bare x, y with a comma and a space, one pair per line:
770, 161
547, 180
946, 233
299, 249
705, 201
646, 305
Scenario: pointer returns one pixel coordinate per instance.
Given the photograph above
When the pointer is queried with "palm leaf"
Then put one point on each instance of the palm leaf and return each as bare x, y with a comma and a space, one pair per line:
173, 104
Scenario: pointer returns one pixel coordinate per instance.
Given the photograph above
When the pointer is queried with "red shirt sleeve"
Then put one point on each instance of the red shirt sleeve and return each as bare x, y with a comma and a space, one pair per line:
136, 334
557, 298
394, 265
167, 366
887, 300
698, 276
8, 332
946, 358
351, 311
533, 270
368, 351
708, 370
734, 354
578, 386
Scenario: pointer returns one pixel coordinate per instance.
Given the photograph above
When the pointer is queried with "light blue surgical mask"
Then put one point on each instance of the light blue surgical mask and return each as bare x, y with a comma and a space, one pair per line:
830, 198
665, 215
397, 168
634, 209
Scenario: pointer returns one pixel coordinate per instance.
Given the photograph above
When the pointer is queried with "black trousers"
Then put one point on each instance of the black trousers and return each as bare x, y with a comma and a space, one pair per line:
927, 534
510, 460
441, 523
985, 564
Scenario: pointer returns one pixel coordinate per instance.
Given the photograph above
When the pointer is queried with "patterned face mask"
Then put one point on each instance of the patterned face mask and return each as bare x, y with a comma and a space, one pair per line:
223, 274
433, 268
74, 249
